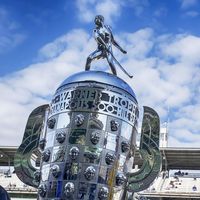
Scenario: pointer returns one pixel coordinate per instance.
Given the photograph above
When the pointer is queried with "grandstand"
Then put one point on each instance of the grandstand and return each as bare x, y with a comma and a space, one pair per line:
14, 186
9, 180
179, 177
186, 185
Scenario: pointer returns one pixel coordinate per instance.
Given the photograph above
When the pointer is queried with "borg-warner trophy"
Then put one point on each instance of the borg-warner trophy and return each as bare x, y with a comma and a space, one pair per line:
83, 143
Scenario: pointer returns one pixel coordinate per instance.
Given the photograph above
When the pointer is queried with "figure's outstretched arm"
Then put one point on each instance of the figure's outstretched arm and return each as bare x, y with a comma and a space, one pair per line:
118, 46
115, 43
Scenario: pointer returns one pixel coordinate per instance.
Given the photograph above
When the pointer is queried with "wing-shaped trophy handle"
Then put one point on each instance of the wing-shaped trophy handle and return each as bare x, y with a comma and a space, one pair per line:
28, 150
149, 150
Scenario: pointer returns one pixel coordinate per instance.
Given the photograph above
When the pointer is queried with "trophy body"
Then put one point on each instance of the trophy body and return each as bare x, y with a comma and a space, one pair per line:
87, 135
90, 138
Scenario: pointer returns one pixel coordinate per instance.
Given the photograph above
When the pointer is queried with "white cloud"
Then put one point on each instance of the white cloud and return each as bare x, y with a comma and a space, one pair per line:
192, 13
26, 89
10, 35
110, 9
174, 142
139, 43
138, 6
170, 78
55, 48
162, 11
185, 4
165, 68
183, 48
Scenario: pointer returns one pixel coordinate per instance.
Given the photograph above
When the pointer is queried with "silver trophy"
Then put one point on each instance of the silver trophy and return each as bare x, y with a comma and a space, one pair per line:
81, 146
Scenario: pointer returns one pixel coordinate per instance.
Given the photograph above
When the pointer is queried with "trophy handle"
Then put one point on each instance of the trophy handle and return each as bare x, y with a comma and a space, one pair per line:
149, 150
28, 152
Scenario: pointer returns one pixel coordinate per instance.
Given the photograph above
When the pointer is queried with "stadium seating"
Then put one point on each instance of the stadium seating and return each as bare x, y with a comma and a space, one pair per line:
184, 185
12, 183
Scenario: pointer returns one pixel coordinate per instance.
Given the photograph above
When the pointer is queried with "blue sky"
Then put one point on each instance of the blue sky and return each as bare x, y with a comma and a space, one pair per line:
36, 23
42, 42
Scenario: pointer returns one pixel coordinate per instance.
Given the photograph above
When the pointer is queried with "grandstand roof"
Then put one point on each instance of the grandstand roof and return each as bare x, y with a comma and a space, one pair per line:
177, 158
7, 155
173, 158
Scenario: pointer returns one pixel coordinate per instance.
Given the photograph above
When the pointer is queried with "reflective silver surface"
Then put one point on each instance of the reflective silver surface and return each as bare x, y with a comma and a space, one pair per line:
50, 139
63, 120
42, 189
149, 150
58, 154
25, 166
46, 155
42, 143
37, 176
107, 101
88, 145
45, 172
92, 141
98, 77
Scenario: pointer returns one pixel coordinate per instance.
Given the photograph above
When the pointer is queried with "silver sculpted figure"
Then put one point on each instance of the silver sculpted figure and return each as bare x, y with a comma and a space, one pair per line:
105, 39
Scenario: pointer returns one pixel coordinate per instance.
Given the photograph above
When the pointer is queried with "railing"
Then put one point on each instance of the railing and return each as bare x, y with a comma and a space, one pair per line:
186, 187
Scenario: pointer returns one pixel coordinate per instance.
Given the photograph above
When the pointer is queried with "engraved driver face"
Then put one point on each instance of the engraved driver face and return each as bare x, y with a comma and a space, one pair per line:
74, 152
95, 137
89, 173
103, 193
79, 120
69, 189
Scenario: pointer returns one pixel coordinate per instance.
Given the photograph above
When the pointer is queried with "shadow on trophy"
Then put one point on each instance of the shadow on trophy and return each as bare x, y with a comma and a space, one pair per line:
81, 146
